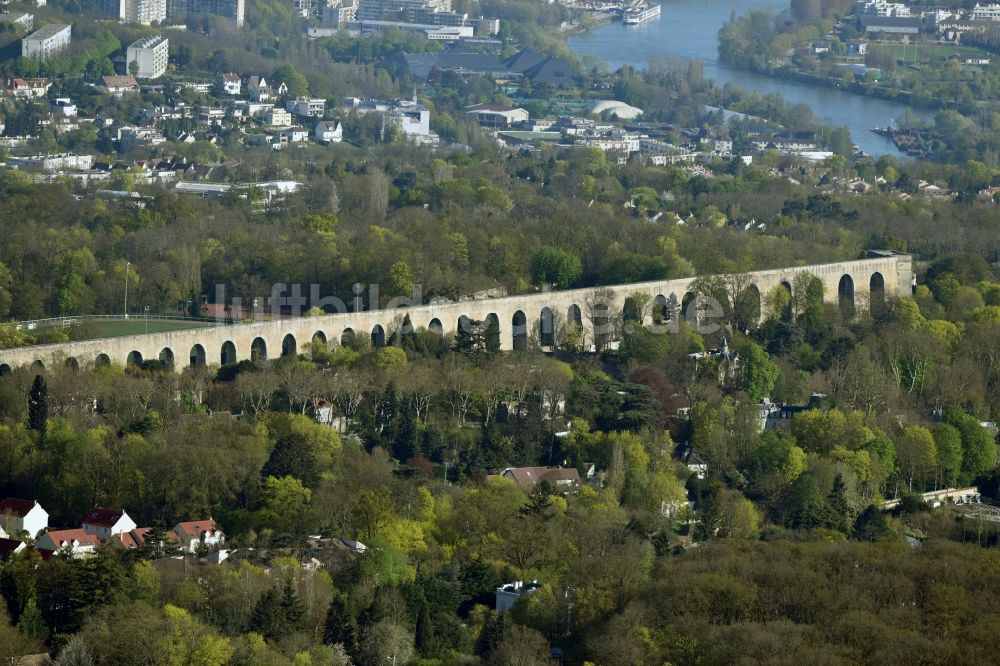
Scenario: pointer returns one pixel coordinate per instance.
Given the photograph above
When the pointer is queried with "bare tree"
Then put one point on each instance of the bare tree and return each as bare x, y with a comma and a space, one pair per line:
256, 390
735, 293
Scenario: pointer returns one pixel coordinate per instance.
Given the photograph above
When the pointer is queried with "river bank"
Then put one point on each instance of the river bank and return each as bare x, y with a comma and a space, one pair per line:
688, 30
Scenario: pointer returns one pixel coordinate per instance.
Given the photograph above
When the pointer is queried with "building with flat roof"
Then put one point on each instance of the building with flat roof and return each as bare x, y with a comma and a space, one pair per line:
19, 19
150, 56
235, 10
46, 42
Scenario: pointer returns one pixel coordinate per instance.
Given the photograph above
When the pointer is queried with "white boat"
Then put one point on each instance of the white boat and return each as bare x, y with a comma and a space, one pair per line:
640, 14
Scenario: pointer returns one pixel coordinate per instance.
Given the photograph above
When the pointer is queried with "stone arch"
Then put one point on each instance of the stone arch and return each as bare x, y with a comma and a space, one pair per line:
686, 305
435, 327
378, 336
659, 310
197, 356
4, 370
258, 350
228, 353
166, 357
318, 338
134, 359
72, 364
630, 310
493, 334
465, 324
102, 361
37, 365
787, 313
845, 295
574, 315
876, 292
547, 327
749, 307
519, 331
348, 338
289, 346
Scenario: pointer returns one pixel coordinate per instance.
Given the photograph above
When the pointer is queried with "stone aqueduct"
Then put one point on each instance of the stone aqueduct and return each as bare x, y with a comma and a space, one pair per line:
858, 281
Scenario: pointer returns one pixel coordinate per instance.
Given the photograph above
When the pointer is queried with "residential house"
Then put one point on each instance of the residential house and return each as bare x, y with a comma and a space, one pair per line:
28, 88
19, 517
196, 533
508, 594
106, 523
231, 83
309, 107
295, 135
259, 90
132, 137
64, 107
210, 115
78, 542
329, 131
278, 118
121, 85
136, 538
562, 479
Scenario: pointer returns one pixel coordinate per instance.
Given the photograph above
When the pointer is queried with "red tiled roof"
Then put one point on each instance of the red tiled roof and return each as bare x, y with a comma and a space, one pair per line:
134, 539
103, 517
193, 528
529, 477
62, 538
16, 507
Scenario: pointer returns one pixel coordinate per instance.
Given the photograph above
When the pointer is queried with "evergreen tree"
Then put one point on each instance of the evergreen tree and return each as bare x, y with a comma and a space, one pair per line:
472, 338
155, 544
870, 525
268, 616
292, 610
341, 624
294, 455
425, 630
406, 443
840, 511
38, 406
709, 514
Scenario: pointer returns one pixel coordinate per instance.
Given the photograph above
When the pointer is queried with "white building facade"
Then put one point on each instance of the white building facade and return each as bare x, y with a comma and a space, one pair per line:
47, 41
150, 55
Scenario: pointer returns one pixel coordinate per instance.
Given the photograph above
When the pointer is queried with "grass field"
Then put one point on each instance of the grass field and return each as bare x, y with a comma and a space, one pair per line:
929, 52
113, 328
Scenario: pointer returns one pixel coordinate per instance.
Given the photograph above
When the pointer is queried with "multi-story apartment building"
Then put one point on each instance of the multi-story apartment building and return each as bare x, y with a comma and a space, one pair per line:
179, 10
150, 55
47, 41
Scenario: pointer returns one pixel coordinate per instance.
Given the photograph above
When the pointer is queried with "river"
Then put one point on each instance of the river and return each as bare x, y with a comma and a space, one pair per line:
689, 29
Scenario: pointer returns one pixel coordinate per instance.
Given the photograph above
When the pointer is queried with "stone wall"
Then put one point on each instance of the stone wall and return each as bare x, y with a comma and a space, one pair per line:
850, 281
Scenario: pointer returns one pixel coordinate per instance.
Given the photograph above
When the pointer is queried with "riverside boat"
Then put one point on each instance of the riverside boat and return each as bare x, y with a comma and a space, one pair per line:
640, 13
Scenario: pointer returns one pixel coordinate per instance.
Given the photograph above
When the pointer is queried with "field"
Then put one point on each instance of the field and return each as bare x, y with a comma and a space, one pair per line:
930, 52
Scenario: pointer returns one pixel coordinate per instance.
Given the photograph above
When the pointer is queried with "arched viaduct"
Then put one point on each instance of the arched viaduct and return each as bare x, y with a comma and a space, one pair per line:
851, 283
